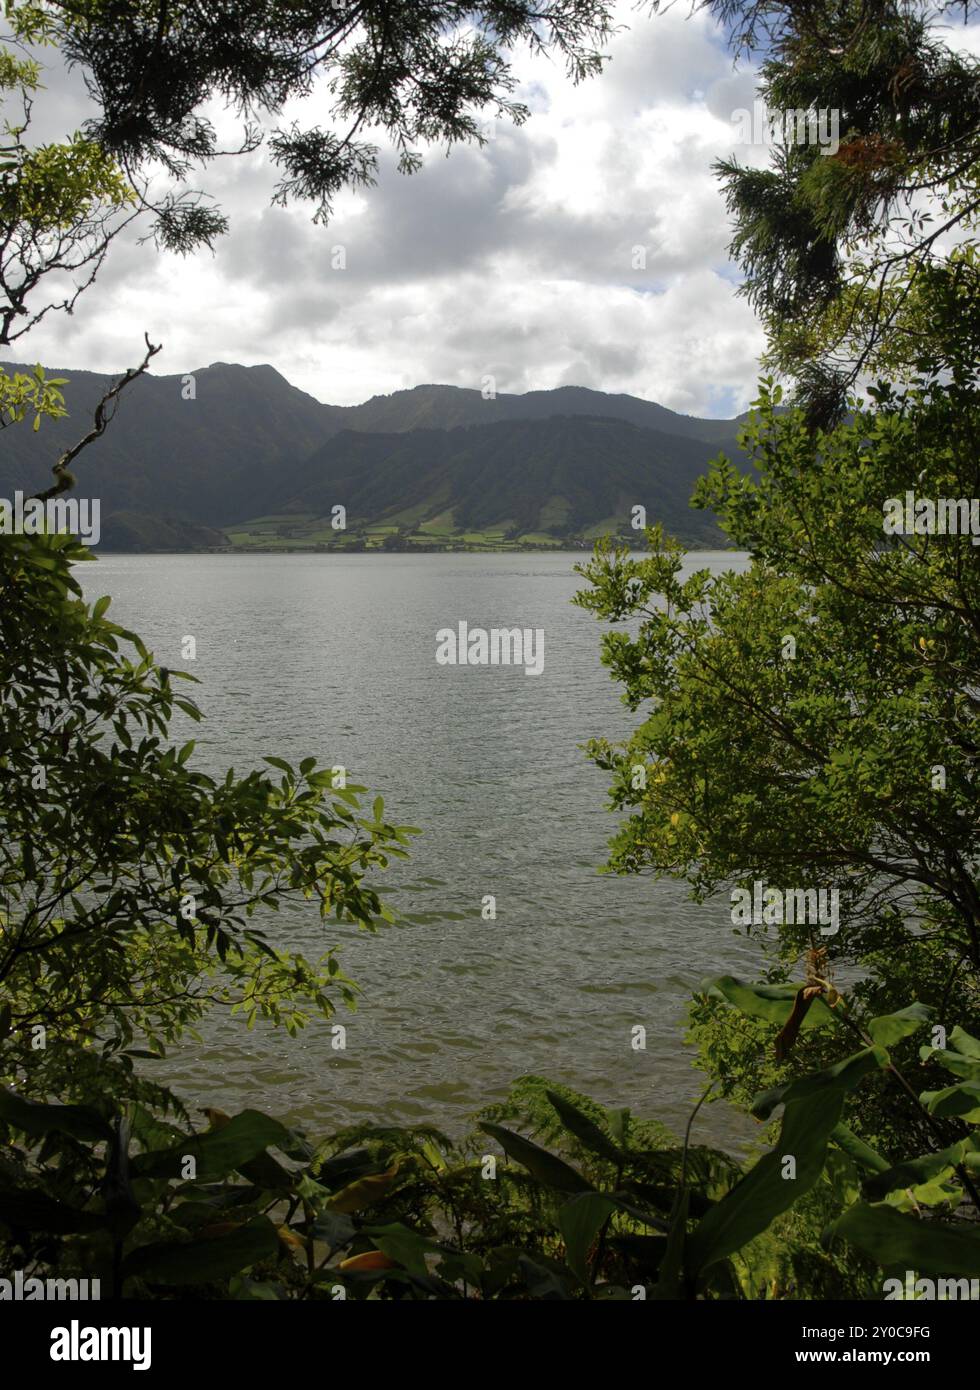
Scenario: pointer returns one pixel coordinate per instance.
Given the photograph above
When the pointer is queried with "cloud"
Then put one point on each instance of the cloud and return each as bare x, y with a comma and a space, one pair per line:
587, 247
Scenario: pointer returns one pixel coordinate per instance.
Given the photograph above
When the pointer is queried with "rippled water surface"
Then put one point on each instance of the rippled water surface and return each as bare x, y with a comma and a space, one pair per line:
335, 656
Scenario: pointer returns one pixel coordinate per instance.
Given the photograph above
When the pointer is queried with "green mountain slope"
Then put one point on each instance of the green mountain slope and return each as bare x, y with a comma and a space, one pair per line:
211, 459
426, 462
443, 407
559, 477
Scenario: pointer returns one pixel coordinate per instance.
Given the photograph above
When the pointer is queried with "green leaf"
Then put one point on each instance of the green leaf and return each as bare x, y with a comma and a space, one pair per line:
894, 1239
845, 1074
892, 1028
242, 1288
672, 1265
333, 1228
407, 1247
38, 1120
963, 1042
584, 1129
365, 1191
122, 1207
344, 1168
956, 1062
548, 1169
619, 1124
962, 1100
920, 1170
217, 1151
579, 1221
772, 1003
203, 1261
813, 1110
458, 1265
861, 1152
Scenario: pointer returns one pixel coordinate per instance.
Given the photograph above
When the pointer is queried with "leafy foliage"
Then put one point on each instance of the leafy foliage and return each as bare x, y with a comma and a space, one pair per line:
61, 203
432, 73
437, 72
843, 249
249, 1208
131, 882
135, 886
855, 761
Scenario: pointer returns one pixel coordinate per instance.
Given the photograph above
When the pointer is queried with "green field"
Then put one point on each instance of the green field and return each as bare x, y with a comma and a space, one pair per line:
303, 531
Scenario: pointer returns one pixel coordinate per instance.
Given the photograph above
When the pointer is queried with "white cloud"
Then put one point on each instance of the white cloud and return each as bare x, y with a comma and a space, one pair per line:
515, 260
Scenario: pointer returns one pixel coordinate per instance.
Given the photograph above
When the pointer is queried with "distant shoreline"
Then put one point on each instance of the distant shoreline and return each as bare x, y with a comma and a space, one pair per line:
232, 550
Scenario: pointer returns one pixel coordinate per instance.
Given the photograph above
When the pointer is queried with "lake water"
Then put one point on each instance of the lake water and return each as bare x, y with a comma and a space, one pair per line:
334, 656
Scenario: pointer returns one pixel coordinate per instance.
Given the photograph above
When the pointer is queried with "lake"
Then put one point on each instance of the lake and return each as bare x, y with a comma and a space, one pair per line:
334, 656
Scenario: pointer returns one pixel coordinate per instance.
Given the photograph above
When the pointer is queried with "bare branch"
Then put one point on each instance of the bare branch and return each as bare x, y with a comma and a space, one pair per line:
104, 412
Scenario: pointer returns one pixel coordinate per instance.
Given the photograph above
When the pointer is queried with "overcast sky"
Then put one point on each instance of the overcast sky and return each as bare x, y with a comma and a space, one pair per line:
513, 261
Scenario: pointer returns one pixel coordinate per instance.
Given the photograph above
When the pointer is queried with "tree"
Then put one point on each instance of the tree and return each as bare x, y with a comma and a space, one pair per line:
131, 881
842, 251
420, 73
61, 205
811, 723
110, 837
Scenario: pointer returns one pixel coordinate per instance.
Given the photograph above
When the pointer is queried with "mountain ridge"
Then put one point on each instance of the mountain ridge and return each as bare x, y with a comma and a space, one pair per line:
229, 444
